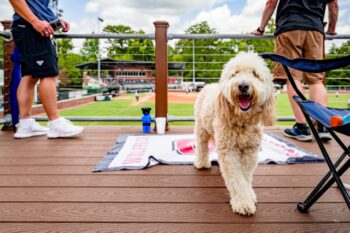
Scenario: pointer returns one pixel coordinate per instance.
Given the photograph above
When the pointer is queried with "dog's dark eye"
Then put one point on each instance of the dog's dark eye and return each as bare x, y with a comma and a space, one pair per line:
234, 74
255, 74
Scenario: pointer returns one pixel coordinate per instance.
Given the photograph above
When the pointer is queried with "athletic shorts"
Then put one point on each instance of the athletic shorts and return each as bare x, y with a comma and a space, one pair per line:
39, 56
299, 44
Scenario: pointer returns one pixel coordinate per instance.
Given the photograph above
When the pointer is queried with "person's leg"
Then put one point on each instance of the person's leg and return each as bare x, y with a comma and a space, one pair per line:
289, 44
299, 116
27, 126
58, 127
48, 96
25, 96
318, 93
314, 49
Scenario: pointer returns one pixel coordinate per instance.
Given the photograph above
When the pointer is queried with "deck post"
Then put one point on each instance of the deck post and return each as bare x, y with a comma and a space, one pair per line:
8, 66
161, 68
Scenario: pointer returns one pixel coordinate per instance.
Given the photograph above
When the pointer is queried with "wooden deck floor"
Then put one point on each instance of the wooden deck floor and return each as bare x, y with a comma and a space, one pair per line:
48, 186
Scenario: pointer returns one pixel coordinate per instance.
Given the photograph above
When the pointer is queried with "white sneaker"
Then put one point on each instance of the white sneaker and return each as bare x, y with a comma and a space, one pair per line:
29, 128
63, 128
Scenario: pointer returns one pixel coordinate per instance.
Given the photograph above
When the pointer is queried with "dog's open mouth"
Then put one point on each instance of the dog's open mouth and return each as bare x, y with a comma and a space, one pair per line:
245, 101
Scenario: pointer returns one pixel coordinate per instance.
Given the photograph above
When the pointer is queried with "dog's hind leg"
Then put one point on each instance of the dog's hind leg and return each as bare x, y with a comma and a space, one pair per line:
242, 195
202, 141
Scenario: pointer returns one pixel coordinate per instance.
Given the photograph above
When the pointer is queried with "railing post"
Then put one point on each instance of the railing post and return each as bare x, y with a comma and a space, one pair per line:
8, 66
161, 63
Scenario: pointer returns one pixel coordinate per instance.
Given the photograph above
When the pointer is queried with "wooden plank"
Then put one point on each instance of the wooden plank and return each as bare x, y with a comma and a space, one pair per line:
168, 213
171, 227
151, 181
94, 153
49, 161
57, 147
172, 195
320, 168
282, 170
20, 144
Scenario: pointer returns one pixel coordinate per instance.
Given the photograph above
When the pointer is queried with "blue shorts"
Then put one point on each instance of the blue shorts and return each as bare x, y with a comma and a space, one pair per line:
39, 56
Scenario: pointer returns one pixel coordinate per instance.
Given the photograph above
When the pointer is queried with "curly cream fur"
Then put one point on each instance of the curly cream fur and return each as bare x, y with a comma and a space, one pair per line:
237, 133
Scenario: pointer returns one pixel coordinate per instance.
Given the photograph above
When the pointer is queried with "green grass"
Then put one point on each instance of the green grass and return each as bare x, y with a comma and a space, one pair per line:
124, 107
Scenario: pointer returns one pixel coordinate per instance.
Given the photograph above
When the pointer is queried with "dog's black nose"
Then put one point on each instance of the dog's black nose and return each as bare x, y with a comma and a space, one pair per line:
244, 87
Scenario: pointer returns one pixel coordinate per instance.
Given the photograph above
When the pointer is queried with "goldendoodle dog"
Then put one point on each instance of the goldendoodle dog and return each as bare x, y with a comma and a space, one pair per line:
233, 112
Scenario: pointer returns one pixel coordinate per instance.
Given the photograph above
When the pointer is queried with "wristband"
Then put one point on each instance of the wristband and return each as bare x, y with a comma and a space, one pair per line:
261, 31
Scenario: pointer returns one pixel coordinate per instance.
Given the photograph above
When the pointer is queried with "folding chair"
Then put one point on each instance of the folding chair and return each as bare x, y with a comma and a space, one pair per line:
321, 114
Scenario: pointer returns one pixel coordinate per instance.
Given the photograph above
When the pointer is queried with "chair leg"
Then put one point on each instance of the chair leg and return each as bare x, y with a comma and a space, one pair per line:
325, 178
314, 196
317, 194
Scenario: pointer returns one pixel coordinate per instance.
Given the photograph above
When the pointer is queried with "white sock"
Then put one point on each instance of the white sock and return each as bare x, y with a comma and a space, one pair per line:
26, 123
56, 121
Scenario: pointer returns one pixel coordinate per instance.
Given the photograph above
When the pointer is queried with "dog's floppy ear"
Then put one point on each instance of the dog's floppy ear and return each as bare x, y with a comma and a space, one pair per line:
222, 109
268, 116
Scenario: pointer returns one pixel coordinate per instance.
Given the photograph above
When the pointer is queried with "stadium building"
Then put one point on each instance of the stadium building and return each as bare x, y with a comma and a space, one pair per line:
132, 75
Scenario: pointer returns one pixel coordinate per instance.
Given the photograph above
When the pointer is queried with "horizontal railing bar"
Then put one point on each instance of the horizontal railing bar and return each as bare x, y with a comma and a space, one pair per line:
171, 36
241, 36
105, 36
217, 36
137, 118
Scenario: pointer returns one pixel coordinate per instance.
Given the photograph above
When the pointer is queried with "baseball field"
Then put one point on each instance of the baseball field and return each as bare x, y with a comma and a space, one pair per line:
180, 104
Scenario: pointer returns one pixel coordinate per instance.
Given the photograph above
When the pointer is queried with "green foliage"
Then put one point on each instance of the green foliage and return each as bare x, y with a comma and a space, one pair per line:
211, 54
65, 46
201, 52
342, 50
68, 70
89, 51
129, 49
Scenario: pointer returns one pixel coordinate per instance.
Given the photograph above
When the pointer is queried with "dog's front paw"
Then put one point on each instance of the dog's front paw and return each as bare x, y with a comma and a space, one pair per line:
202, 164
246, 207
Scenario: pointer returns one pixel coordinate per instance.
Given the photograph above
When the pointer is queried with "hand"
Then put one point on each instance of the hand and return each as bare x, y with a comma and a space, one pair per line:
66, 26
331, 33
257, 33
43, 27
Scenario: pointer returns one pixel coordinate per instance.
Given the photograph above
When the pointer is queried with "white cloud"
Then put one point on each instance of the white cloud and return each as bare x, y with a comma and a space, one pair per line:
142, 15
91, 7
224, 21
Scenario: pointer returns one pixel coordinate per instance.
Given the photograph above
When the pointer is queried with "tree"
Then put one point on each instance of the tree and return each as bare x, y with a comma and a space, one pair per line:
203, 57
340, 76
211, 54
65, 46
129, 49
89, 51
69, 74
67, 60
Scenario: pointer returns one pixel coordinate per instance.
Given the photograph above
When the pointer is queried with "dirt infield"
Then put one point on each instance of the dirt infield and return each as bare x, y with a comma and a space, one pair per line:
179, 97
173, 97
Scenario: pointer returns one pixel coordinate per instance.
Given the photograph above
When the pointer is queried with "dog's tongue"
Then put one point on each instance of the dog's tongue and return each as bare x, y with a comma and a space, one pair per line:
244, 103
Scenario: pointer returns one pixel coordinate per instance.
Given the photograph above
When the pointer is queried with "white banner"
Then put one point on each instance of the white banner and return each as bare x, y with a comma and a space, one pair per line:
138, 152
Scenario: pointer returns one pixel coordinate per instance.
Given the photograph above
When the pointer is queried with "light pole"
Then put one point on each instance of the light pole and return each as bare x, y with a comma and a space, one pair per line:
99, 20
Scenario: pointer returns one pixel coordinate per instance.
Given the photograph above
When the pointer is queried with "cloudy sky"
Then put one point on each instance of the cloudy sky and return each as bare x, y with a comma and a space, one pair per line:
226, 16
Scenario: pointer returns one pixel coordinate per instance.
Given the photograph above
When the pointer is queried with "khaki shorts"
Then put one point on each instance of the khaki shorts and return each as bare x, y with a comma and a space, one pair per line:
300, 44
